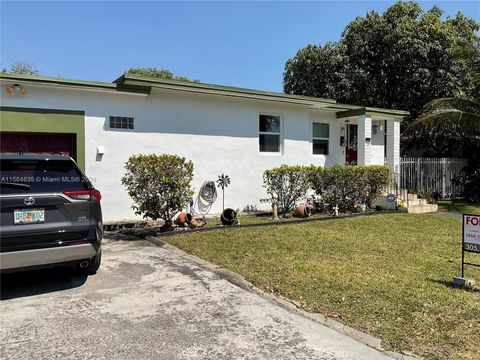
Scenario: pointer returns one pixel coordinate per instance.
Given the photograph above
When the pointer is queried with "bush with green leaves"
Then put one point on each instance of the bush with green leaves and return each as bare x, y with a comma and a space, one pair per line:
470, 180
160, 185
347, 186
377, 178
342, 186
288, 183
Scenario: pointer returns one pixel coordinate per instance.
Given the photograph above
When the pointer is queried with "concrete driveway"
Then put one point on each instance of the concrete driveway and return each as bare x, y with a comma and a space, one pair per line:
148, 302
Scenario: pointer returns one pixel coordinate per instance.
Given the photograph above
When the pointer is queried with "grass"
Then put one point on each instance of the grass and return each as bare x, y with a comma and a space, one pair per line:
388, 275
259, 219
458, 207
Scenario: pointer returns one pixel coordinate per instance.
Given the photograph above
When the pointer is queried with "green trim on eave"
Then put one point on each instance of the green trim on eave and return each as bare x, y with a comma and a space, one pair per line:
53, 121
70, 83
130, 80
397, 114
143, 85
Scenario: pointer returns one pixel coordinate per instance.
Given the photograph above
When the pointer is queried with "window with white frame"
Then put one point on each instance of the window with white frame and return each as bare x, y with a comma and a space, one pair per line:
321, 137
121, 122
269, 137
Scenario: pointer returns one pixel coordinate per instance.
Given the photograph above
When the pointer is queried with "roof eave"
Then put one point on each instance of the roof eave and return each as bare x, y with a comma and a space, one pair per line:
129, 80
371, 111
70, 83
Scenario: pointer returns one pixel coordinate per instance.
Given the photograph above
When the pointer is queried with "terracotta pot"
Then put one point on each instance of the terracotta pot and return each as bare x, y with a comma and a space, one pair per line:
228, 217
302, 211
184, 219
196, 223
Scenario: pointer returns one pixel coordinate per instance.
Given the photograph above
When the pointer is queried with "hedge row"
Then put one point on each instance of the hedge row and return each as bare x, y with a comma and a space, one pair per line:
339, 185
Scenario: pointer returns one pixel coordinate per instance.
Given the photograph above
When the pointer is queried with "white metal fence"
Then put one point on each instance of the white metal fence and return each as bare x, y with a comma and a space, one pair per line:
430, 174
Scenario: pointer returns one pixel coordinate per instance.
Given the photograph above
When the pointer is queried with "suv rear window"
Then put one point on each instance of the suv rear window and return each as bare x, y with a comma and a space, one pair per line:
34, 176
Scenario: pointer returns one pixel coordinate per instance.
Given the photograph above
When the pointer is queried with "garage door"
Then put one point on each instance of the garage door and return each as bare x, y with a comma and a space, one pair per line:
17, 142
43, 131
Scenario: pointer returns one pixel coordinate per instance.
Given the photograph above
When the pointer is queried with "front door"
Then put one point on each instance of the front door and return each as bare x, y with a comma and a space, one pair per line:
351, 144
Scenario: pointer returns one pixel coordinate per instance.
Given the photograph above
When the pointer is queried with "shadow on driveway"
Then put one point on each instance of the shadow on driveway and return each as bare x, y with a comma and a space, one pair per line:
35, 282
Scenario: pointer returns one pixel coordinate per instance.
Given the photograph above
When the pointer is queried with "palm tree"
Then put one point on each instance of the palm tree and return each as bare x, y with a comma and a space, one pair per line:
451, 127
457, 112
447, 127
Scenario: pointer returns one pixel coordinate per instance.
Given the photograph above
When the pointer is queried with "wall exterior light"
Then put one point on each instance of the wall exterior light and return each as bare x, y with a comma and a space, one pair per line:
15, 89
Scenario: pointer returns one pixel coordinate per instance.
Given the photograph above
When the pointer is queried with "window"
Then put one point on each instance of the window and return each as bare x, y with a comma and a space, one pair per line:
321, 135
269, 133
121, 122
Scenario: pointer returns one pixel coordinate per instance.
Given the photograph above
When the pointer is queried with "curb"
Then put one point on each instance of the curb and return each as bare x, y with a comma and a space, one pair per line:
285, 303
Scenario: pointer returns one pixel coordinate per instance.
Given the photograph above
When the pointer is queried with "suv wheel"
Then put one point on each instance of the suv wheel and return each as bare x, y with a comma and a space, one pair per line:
93, 264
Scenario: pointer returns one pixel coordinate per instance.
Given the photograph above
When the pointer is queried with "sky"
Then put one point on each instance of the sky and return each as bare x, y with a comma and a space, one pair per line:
234, 43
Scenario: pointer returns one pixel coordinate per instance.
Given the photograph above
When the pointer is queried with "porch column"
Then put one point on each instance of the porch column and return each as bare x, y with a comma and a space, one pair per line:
364, 154
393, 144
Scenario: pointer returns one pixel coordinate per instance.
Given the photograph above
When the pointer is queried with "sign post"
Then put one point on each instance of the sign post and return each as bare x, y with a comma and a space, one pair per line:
470, 243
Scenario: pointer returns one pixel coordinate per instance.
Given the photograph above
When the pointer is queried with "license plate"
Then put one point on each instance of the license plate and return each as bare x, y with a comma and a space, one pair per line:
30, 216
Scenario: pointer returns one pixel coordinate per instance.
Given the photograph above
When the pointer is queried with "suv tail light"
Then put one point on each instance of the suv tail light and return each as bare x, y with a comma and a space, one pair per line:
93, 195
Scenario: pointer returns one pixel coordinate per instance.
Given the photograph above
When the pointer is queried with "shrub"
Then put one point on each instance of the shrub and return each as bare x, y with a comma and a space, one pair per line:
341, 185
158, 184
288, 183
376, 180
348, 186
470, 180
344, 186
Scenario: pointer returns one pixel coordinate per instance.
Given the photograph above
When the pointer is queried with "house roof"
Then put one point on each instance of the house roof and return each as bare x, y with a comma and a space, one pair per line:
372, 111
129, 80
143, 85
33, 79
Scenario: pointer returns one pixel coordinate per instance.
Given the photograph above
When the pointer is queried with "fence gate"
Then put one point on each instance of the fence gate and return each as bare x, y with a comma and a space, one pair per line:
431, 174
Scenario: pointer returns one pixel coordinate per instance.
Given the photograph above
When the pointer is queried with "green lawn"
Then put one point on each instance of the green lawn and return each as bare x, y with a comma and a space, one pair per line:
458, 207
260, 219
388, 275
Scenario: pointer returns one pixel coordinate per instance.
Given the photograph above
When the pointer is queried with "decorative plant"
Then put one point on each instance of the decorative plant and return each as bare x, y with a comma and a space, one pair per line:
348, 186
376, 180
160, 185
288, 183
223, 182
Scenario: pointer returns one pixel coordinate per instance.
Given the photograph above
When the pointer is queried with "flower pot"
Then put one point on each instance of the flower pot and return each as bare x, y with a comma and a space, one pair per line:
184, 219
228, 217
302, 211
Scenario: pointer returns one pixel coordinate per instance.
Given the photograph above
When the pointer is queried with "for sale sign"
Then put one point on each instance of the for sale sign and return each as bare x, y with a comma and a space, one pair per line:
471, 233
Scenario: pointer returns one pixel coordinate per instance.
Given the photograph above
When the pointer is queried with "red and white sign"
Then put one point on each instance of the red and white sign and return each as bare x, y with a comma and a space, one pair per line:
471, 233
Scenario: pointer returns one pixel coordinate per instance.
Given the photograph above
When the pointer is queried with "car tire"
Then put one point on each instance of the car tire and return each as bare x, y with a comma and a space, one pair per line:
93, 265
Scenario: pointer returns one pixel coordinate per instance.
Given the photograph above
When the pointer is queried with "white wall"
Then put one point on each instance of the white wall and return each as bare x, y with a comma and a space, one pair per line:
378, 144
219, 134
336, 153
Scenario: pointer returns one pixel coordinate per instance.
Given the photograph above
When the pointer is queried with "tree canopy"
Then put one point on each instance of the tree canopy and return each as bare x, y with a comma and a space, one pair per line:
24, 68
401, 59
159, 73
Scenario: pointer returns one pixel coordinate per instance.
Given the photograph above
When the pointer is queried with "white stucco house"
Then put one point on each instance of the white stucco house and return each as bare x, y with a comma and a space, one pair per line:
238, 132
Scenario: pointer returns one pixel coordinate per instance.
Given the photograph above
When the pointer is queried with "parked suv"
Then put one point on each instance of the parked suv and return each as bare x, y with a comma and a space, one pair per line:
50, 214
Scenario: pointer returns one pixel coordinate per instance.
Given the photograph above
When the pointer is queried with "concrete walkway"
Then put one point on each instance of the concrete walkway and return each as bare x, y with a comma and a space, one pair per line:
147, 302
